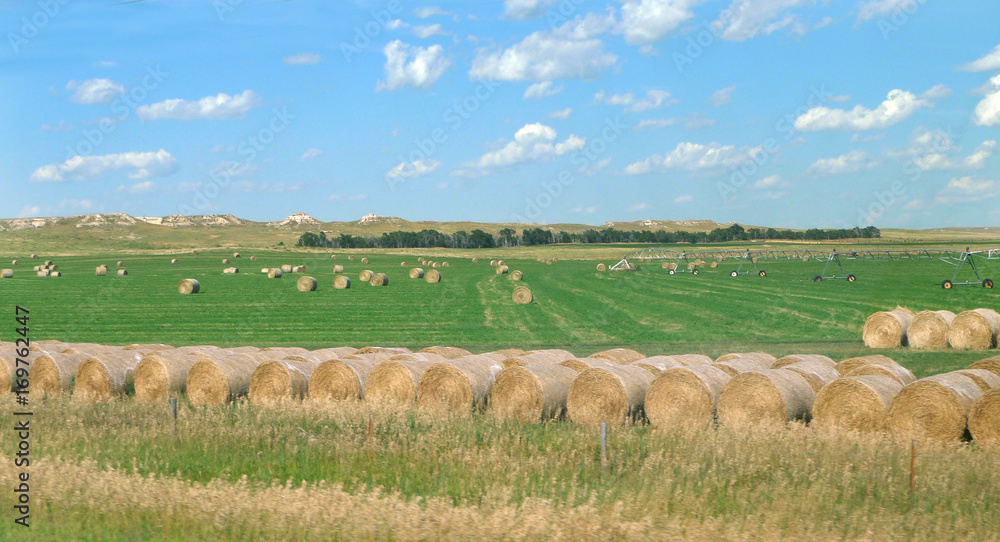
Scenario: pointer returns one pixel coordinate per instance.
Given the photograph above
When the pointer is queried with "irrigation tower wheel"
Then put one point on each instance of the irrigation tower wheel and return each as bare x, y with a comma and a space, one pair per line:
818, 278
851, 278
695, 271
733, 274
762, 273
670, 272
988, 283
946, 285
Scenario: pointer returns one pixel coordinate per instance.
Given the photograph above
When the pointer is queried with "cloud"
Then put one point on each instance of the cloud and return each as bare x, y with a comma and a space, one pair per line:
412, 170
683, 199
967, 189
541, 90
693, 157
694, 121
428, 31
303, 59
654, 100
532, 143
76, 204
987, 112
63, 126
879, 8
722, 97
774, 181
412, 66
593, 168
141, 165
310, 154
432, 11
94, 91
525, 9
231, 169
851, 162
561, 113
639, 207
934, 150
138, 188
861, 138
358, 197
584, 210
646, 21
571, 51
219, 107
988, 63
29, 211
745, 19
396, 24
897, 107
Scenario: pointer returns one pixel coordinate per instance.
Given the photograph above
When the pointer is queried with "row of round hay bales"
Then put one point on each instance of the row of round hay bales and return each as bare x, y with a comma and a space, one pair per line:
975, 329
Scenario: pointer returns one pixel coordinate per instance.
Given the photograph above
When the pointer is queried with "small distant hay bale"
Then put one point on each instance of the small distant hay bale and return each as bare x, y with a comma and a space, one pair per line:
444, 264
218, 379
306, 284
447, 352
493, 263
253, 258
299, 269
768, 396
764, 359
797, 358
7, 273
416, 273
274, 273
34, 256
194, 252
395, 381
404, 264
264, 270
929, 329
52, 374
366, 275
805, 258
433, 276
602, 267
936, 407
56, 274
754, 259
548, 262
101, 271
37, 268
991, 364
500, 262
817, 373
502, 269
531, 394
474, 260
122, 272
163, 375
225, 261
522, 295
685, 397
379, 279
896, 372
364, 260
714, 265
516, 275
103, 377
974, 330
338, 269
231, 271
614, 395
341, 282
457, 386
621, 356
121, 263
849, 365
173, 261
43, 273
691, 360
886, 329
435, 264
986, 380
858, 403
236, 254
333, 256
351, 257
189, 286
287, 268
984, 420
280, 381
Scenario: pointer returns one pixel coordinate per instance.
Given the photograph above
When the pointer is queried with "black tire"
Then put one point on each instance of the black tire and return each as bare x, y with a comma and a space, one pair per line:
762, 273
733, 274
851, 278
695, 271
671, 272
988, 283
818, 278
947, 285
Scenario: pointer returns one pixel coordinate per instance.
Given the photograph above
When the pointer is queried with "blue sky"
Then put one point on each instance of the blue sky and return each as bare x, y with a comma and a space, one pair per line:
790, 113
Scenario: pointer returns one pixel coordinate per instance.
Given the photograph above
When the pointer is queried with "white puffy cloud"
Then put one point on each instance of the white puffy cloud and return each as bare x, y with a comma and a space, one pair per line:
412, 170
967, 189
412, 66
396, 24
693, 157
219, 107
987, 112
879, 8
141, 165
646, 21
94, 91
303, 59
897, 107
310, 154
532, 143
771, 182
654, 99
571, 51
722, 97
428, 31
990, 62
934, 150
562, 113
524, 9
745, 19
851, 162
541, 90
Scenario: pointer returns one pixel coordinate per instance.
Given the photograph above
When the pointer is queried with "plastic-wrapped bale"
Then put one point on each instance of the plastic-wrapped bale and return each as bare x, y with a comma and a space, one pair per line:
612, 394
685, 397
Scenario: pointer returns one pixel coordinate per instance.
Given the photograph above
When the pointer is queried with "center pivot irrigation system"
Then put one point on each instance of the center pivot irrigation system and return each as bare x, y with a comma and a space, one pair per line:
748, 259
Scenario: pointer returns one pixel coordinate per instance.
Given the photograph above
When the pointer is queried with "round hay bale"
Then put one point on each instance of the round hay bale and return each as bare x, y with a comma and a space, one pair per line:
849, 365
986, 380
886, 329
56, 274
338, 269
657, 364
264, 270
220, 378
101, 271
444, 264
379, 279
189, 286
280, 381
531, 358
351, 258
792, 359
685, 397
253, 258
602, 267
163, 375
173, 261
447, 352
929, 329
37, 268
856, 403
763, 359
274, 273
416, 273
404, 264
7, 274
734, 367
493, 263
366, 275
665, 265
714, 265
582, 364
122, 272
364, 260
522, 295
691, 360
500, 262
754, 259
299, 269
194, 252
236, 254
502, 269
531, 394
287, 268
341, 282
457, 386
341, 379
433, 276
13, 262
768, 396
306, 284
621, 356
103, 377
231, 271
557, 353
34, 256
121, 263
991, 364
52, 374
225, 261
333, 256
395, 381
612, 394
984, 420
45, 273
475, 260
936, 407
974, 330
896, 372
817, 373
516, 275
805, 258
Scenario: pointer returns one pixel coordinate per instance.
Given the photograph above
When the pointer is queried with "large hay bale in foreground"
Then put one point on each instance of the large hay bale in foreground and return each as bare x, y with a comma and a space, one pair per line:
341, 379
306, 284
734, 367
657, 364
534, 357
274, 273
887, 329
896, 372
189, 286
280, 381
341, 282
621, 356
8, 368
792, 359
502, 269
936, 407
685, 397
103, 377
974, 330
161, 376
516, 275
984, 420
220, 378
690, 360
986, 380
850, 365
52, 374
395, 381
991, 364
929, 329
532, 393
366, 275
522, 295
458, 386
763, 359
859, 403
433, 276
817, 373
379, 279
416, 273
582, 364
768, 396
612, 395
447, 352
